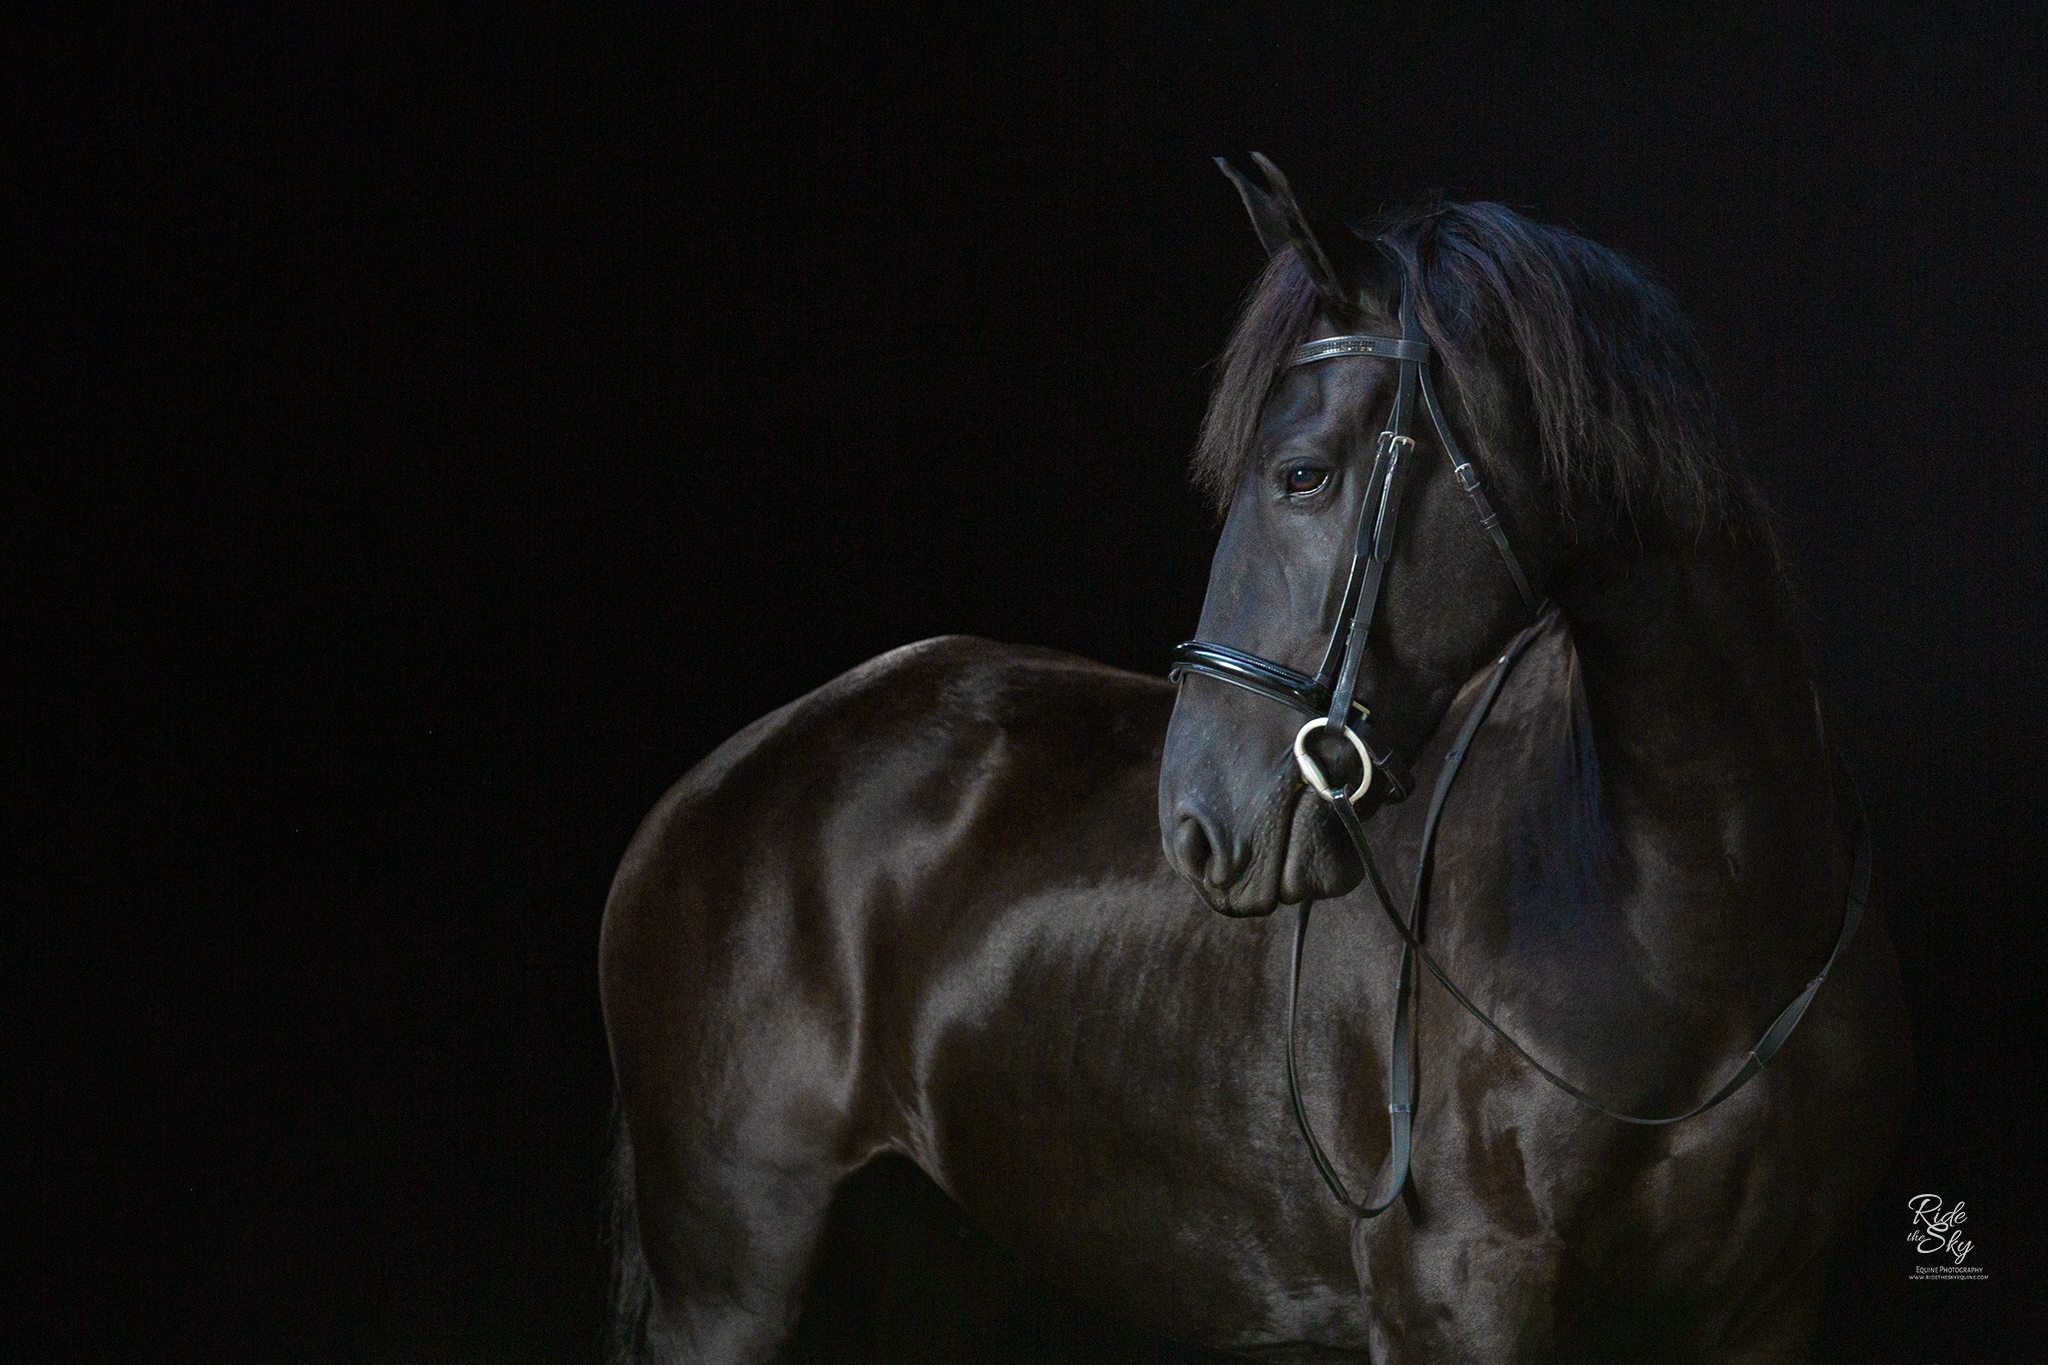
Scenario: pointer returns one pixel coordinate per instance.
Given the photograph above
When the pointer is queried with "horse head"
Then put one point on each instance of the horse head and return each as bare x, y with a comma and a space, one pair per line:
1302, 449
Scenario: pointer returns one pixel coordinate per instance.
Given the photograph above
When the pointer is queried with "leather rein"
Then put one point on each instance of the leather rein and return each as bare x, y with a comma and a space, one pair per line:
1330, 700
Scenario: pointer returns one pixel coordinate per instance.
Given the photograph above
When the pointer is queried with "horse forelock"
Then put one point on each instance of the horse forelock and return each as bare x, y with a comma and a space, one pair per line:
1275, 317
1573, 369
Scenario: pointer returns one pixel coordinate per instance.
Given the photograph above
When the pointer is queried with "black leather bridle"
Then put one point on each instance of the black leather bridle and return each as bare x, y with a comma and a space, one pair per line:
1330, 700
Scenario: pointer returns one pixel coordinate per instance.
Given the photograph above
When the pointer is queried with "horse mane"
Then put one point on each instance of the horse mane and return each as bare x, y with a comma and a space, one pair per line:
1546, 340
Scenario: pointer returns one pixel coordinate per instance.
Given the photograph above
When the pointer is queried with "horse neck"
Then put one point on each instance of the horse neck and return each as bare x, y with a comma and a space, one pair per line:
1698, 703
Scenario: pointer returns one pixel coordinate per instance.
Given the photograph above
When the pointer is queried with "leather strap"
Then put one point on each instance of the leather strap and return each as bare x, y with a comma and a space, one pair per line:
1296, 691
1400, 1078
1468, 479
1375, 535
1354, 578
1332, 695
1387, 348
1400, 1056
1379, 519
1413, 353
1753, 1061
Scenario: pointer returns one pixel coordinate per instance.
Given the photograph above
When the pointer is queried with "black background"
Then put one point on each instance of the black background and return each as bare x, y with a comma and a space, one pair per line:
432, 434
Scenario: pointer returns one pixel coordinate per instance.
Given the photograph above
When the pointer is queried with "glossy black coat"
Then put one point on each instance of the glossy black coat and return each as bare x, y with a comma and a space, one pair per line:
925, 910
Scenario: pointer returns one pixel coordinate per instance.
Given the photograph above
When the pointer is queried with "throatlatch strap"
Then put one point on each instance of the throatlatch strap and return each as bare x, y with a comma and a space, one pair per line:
1468, 479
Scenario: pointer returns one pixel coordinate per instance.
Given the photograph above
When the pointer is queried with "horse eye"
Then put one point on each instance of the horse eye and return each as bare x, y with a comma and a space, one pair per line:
1303, 479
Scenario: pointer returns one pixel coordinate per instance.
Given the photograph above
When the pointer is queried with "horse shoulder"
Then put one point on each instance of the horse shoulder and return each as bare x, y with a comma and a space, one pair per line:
750, 889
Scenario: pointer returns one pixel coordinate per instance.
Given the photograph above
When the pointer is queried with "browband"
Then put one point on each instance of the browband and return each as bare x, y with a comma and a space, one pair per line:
1329, 348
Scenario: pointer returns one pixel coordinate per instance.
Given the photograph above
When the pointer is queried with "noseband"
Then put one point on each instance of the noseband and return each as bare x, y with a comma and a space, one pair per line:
1330, 699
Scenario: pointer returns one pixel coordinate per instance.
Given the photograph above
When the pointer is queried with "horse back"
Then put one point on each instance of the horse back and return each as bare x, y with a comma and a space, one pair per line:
815, 863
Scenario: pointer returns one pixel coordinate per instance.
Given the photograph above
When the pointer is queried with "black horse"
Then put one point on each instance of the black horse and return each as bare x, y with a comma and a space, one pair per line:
923, 909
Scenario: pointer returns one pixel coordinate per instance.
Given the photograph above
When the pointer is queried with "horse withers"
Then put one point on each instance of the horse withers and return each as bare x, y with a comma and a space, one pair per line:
924, 910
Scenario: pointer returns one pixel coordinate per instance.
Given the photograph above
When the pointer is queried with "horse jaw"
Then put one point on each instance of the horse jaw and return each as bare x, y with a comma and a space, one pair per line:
1320, 863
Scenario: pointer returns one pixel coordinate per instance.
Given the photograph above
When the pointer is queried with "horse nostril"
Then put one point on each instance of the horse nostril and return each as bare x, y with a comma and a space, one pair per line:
1191, 846
1200, 852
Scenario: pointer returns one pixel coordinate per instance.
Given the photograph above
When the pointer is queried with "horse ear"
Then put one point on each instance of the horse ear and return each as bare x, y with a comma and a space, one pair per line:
1267, 220
1346, 269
